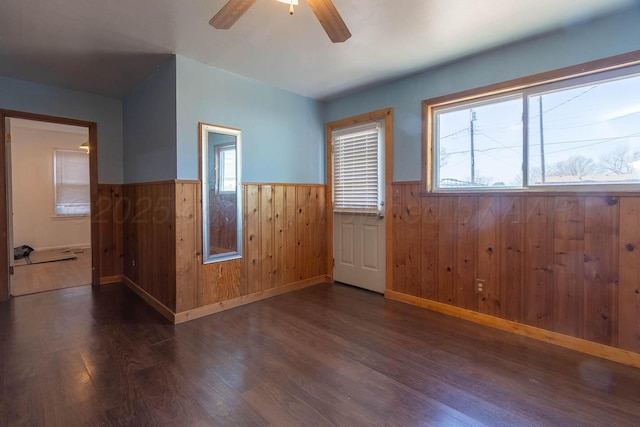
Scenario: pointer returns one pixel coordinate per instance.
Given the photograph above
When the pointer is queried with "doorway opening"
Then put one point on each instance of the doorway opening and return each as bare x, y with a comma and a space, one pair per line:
50, 192
50, 202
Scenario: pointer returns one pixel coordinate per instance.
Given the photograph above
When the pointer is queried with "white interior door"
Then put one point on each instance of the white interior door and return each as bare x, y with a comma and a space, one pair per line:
358, 204
359, 250
7, 154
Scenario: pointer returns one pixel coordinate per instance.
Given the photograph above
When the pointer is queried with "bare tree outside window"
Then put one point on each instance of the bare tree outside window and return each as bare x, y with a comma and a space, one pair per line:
617, 162
576, 166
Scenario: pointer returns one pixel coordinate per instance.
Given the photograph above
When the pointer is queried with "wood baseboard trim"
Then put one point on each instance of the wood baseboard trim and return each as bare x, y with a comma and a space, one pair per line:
111, 279
248, 299
164, 182
150, 299
588, 347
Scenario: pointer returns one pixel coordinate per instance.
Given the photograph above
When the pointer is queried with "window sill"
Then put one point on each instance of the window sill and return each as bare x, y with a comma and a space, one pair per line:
613, 192
69, 217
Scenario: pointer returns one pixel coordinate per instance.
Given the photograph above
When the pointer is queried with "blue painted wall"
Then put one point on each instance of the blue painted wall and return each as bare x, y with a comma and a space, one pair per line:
607, 37
150, 128
106, 112
282, 133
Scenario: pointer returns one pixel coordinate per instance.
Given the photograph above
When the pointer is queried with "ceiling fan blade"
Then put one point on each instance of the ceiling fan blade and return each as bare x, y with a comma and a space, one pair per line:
230, 13
330, 19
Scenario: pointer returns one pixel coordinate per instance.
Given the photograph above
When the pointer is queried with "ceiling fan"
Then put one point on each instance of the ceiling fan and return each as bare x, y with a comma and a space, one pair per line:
324, 10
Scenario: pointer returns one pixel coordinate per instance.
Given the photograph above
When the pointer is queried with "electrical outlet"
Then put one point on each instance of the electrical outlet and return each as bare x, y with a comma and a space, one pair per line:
480, 284
133, 263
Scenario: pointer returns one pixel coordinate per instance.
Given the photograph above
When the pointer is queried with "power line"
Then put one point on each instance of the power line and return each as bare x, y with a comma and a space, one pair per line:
594, 143
454, 133
591, 123
510, 148
501, 126
566, 101
597, 141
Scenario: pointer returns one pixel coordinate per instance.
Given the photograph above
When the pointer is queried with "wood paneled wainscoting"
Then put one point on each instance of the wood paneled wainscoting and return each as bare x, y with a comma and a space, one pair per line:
284, 247
110, 232
564, 268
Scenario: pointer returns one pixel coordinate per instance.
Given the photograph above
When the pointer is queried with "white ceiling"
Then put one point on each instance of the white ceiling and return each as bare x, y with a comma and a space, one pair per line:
108, 46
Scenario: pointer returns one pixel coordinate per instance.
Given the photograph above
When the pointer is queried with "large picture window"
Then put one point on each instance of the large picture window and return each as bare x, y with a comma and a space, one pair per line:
579, 132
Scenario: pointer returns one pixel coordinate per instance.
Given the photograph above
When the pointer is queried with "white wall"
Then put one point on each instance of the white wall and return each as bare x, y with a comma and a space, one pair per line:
33, 190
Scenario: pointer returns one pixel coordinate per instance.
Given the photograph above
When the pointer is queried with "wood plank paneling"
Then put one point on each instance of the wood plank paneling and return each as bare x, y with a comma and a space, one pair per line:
629, 272
446, 250
312, 222
284, 243
150, 239
568, 248
601, 269
429, 248
303, 230
412, 221
406, 219
189, 294
512, 257
110, 229
129, 234
489, 255
316, 224
321, 232
399, 248
266, 237
221, 281
252, 234
465, 252
538, 284
278, 235
290, 242
106, 228
565, 263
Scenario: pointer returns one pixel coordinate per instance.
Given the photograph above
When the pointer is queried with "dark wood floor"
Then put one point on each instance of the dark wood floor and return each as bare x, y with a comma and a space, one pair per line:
326, 355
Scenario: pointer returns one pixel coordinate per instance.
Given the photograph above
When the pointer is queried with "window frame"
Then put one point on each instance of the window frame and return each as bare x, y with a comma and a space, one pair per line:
564, 78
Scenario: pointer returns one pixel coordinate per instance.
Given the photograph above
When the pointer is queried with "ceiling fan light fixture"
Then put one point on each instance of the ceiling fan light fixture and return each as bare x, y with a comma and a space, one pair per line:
324, 10
291, 3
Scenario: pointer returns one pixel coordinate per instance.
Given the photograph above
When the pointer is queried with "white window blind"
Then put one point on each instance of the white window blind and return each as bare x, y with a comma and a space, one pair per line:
358, 181
71, 177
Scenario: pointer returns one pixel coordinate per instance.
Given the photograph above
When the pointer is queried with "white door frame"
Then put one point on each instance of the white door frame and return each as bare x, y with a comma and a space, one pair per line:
386, 115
